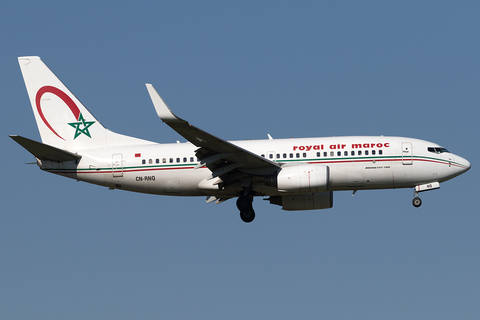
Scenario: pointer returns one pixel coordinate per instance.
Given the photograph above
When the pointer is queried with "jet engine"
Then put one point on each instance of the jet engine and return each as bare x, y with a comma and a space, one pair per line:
304, 178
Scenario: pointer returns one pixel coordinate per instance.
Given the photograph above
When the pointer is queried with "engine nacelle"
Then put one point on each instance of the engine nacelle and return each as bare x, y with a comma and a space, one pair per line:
304, 178
306, 201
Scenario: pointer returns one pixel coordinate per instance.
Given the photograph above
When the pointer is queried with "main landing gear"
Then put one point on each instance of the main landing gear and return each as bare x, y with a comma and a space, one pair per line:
244, 204
417, 202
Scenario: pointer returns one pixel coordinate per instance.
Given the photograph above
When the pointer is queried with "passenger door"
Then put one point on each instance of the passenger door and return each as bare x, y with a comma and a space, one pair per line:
117, 165
407, 154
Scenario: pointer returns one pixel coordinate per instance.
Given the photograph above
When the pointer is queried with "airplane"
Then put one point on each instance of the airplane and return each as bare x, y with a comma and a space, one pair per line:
296, 174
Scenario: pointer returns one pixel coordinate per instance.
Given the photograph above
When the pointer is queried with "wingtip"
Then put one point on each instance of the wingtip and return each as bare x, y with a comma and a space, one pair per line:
29, 58
163, 111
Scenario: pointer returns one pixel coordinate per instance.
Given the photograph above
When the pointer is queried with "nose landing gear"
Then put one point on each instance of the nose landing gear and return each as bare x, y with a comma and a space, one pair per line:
417, 202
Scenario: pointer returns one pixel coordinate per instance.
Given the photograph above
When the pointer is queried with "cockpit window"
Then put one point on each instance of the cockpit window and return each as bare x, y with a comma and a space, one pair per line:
437, 149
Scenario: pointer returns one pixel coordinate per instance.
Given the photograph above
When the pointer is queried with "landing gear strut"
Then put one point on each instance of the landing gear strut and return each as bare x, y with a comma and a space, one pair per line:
417, 202
244, 204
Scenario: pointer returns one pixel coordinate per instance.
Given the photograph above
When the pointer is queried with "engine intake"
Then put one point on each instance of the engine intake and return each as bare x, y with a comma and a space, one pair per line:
304, 178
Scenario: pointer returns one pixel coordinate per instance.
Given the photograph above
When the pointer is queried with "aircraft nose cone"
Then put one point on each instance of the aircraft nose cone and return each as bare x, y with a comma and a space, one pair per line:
464, 163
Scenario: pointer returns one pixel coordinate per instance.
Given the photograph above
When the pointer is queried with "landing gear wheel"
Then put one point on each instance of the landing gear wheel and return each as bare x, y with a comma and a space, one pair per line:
244, 203
248, 215
417, 202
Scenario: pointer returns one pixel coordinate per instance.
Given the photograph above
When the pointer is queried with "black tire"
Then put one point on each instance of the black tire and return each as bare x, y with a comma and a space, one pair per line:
247, 216
244, 203
417, 202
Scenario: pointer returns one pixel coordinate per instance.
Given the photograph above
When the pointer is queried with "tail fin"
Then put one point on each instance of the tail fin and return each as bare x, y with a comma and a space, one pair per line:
62, 119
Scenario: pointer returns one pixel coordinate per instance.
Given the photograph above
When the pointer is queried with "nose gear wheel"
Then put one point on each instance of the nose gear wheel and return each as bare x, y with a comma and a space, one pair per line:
417, 202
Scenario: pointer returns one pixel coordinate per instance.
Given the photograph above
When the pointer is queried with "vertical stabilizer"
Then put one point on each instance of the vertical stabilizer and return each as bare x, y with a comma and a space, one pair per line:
61, 118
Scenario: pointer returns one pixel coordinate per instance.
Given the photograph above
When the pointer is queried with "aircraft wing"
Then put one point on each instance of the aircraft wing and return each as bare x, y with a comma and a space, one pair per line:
220, 156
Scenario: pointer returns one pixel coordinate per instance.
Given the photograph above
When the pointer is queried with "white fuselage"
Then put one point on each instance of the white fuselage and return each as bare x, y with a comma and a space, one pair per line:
355, 163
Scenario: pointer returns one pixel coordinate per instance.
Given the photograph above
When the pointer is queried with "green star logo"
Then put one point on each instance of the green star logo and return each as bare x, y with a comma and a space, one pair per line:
84, 130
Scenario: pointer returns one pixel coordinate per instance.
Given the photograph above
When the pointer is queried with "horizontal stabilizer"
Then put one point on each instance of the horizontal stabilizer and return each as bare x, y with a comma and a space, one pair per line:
44, 151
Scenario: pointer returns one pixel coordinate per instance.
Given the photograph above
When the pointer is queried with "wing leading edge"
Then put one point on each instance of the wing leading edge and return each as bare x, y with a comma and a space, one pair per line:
226, 160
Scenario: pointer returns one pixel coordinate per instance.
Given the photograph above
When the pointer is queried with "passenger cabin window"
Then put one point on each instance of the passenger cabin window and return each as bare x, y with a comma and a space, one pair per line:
143, 161
373, 152
325, 154
191, 159
304, 155
345, 153
164, 160
157, 161
366, 152
380, 151
359, 152
150, 161
339, 153
318, 154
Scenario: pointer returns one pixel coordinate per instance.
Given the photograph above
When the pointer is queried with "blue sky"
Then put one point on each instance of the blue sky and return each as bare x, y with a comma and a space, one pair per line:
242, 70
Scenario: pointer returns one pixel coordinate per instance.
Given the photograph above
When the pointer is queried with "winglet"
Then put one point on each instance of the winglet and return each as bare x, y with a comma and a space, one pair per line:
163, 111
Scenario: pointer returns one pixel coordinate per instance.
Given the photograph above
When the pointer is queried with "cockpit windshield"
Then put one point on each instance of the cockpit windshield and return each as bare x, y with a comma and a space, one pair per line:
437, 149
